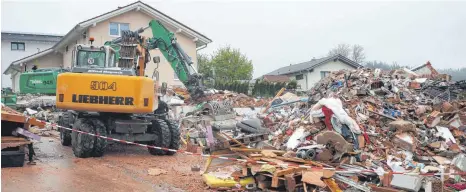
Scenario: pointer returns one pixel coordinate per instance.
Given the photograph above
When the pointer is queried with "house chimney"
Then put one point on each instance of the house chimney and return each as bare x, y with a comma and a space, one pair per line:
313, 58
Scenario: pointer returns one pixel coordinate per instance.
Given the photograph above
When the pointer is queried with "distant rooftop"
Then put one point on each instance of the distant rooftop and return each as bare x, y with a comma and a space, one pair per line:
32, 33
30, 36
296, 68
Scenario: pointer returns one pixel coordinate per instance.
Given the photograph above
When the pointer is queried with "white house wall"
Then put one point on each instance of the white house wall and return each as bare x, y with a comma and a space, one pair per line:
8, 55
314, 76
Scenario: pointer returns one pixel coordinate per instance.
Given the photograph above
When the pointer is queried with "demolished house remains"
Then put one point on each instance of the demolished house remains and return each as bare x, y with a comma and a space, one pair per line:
361, 130
358, 130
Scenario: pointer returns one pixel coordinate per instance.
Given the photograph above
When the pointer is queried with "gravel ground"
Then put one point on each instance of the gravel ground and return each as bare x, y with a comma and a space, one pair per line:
122, 168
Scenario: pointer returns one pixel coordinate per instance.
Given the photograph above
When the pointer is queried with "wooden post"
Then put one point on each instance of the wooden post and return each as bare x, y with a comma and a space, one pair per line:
270, 103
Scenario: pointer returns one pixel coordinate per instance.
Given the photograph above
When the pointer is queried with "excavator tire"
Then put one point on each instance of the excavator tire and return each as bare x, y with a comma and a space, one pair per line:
66, 120
99, 143
83, 144
161, 129
175, 136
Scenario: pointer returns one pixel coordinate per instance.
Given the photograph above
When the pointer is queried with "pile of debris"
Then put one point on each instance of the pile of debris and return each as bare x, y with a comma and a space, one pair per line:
365, 129
238, 100
35, 101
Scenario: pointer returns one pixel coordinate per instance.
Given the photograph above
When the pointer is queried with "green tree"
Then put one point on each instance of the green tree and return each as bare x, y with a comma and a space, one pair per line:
255, 89
231, 64
204, 65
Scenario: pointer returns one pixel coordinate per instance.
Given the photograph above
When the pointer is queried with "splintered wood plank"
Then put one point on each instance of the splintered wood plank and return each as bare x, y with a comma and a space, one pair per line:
298, 160
278, 175
288, 171
256, 150
272, 160
290, 183
6, 139
305, 187
332, 185
275, 181
14, 116
10, 141
234, 140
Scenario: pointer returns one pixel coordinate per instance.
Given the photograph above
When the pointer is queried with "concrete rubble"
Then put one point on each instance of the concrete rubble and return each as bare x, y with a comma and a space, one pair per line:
35, 101
361, 130
239, 100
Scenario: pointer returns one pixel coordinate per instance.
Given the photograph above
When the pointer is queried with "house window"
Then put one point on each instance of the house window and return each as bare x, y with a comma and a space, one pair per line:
16, 46
324, 74
116, 28
299, 77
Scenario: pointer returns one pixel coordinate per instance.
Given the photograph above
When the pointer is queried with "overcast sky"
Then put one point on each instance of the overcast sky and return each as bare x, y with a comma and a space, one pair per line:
275, 34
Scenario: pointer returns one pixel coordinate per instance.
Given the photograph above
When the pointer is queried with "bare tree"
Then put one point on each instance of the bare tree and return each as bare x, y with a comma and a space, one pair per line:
358, 54
342, 49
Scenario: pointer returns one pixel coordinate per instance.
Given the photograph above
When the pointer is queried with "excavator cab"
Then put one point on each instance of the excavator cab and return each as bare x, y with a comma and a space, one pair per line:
89, 58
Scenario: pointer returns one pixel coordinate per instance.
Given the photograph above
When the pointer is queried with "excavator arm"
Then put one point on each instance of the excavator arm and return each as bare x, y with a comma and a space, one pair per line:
166, 42
181, 63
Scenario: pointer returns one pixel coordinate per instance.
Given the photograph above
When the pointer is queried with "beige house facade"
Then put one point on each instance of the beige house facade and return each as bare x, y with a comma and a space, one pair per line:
107, 27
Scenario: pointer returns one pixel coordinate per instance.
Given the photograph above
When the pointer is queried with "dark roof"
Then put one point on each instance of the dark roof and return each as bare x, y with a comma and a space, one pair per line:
418, 67
276, 78
312, 64
28, 36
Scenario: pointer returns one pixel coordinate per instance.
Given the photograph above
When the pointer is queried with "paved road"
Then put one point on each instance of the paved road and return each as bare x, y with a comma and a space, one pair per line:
123, 168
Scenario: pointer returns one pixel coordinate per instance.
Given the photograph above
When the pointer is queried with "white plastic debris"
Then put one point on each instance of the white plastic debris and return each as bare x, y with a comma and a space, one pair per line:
31, 111
446, 134
295, 139
460, 161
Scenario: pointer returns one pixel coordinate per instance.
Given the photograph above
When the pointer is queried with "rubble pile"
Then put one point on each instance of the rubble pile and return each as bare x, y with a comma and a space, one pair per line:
35, 101
362, 130
49, 115
238, 100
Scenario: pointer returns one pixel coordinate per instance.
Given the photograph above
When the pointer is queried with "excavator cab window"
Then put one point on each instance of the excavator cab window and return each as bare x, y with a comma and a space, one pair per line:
91, 58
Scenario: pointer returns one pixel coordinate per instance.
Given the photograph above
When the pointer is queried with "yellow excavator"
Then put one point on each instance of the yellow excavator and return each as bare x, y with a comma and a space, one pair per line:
107, 93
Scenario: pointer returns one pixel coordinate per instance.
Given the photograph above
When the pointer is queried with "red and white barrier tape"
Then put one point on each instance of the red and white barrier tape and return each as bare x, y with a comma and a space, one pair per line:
342, 171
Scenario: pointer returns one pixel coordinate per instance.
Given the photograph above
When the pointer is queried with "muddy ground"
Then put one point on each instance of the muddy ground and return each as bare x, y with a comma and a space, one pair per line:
122, 168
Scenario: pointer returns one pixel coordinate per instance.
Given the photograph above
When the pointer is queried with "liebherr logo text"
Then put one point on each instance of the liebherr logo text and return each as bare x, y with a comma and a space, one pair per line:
108, 100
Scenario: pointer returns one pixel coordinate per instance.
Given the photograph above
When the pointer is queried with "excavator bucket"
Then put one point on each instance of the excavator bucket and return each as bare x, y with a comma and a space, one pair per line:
219, 111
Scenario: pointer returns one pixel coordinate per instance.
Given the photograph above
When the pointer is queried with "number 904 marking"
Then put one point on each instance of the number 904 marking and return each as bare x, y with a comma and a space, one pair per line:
103, 85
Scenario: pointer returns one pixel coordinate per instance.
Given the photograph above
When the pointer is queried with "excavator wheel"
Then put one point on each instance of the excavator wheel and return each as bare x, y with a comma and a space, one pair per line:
66, 120
175, 136
161, 129
99, 143
85, 145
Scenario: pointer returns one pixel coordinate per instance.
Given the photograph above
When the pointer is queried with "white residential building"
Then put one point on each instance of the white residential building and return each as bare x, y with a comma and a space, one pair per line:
17, 45
308, 73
